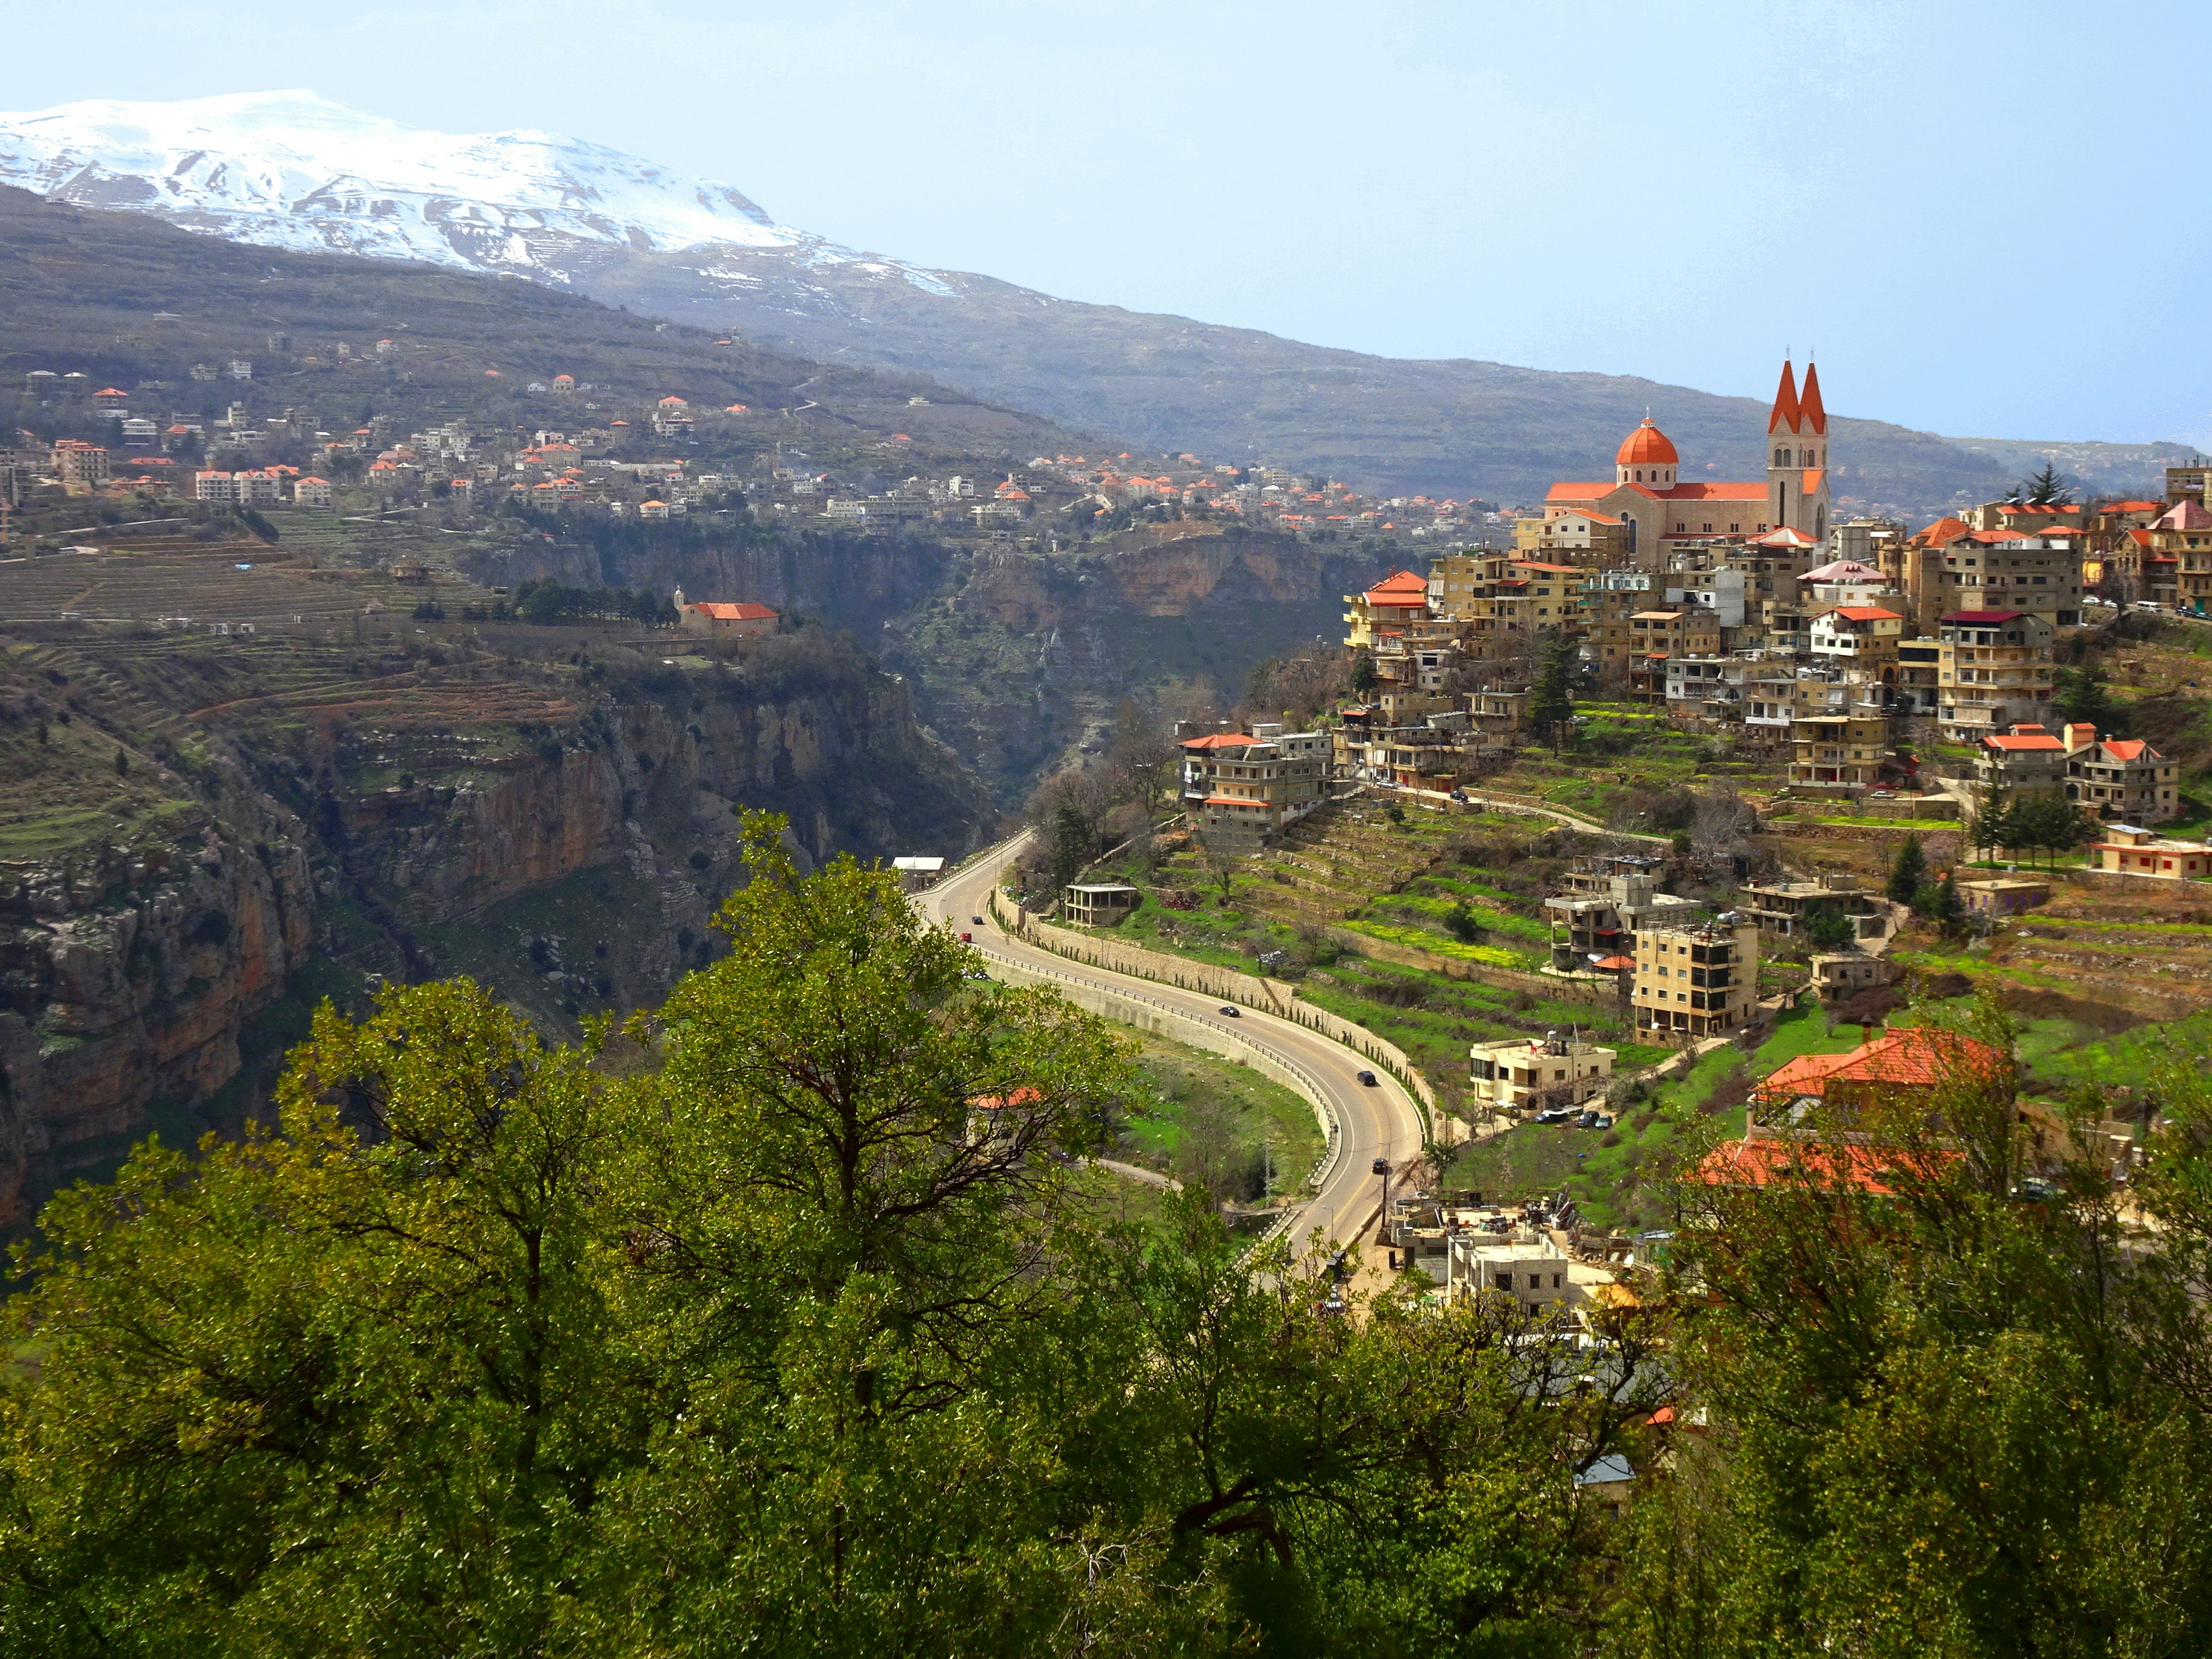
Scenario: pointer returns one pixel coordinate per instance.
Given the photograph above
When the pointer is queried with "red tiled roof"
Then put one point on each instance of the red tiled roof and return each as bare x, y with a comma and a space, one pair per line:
2127, 749
715, 610
1645, 446
1917, 1056
1870, 1170
1943, 529
1809, 406
1614, 964
1219, 740
2021, 745
1786, 412
1866, 613
1742, 491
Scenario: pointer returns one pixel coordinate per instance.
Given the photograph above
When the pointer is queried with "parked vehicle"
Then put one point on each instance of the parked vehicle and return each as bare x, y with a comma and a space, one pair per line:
1588, 1119
1368, 1078
1555, 1115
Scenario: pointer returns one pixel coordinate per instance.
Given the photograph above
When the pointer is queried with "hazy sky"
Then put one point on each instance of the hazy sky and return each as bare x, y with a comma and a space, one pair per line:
1987, 219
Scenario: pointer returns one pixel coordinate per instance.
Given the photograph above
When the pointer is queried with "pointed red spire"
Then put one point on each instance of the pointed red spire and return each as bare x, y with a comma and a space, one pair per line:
1816, 418
1786, 412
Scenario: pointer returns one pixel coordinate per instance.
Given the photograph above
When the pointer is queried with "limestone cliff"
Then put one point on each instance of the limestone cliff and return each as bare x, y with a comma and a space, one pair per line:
249, 859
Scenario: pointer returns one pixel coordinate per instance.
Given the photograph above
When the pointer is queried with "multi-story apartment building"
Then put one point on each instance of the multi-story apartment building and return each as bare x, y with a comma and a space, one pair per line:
2025, 761
1654, 636
2181, 536
1244, 787
1838, 753
78, 462
1398, 599
1697, 980
1863, 634
2120, 778
1919, 670
1993, 671
1597, 919
1521, 1074
1996, 569
1780, 908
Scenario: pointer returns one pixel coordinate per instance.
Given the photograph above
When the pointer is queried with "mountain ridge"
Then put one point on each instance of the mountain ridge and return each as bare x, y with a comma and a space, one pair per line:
292, 169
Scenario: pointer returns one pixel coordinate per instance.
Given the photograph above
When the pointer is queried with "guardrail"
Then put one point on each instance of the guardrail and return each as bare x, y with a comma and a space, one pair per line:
1208, 981
1325, 1166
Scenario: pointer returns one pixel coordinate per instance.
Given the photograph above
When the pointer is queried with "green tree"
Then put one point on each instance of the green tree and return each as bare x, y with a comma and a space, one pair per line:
1829, 927
1908, 873
1950, 910
784, 1324
1073, 844
1551, 708
1461, 924
1993, 827
1944, 1430
2083, 694
1363, 677
2046, 487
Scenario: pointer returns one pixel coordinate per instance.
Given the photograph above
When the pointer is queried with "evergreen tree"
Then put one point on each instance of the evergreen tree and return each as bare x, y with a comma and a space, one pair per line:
1908, 874
2083, 694
2048, 487
1071, 847
1992, 828
1551, 708
1950, 908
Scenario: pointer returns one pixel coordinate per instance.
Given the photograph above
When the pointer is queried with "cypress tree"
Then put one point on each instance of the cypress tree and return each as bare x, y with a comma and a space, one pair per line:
1909, 873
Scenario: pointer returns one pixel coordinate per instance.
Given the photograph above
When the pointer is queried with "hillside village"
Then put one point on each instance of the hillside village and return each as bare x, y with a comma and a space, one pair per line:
1608, 830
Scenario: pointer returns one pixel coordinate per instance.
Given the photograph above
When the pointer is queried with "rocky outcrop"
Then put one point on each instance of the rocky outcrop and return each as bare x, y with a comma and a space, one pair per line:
140, 984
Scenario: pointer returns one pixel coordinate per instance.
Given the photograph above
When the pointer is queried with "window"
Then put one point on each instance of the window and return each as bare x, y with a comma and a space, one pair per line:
1505, 1281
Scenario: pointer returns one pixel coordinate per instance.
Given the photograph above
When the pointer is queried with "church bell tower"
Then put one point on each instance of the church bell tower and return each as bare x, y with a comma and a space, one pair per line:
1797, 456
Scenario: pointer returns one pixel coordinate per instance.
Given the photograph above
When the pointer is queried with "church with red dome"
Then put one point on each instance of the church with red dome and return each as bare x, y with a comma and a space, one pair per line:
1659, 511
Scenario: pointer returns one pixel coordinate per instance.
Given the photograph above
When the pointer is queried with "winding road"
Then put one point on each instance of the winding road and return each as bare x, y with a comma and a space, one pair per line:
1371, 1121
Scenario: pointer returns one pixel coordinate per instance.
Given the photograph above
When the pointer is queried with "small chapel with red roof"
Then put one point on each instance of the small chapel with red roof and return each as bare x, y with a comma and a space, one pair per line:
1648, 493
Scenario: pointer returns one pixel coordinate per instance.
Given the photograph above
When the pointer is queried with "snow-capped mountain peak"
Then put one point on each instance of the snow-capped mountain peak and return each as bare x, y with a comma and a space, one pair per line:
295, 170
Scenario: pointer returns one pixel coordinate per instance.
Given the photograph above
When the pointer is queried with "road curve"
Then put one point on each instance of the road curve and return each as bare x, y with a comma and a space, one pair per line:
1378, 1120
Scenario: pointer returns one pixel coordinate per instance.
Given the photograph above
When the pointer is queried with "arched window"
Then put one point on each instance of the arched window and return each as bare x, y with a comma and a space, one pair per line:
1782, 458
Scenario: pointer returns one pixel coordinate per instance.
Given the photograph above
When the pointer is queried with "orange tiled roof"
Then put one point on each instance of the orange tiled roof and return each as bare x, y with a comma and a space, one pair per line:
1917, 1056
1872, 1169
1646, 446
715, 610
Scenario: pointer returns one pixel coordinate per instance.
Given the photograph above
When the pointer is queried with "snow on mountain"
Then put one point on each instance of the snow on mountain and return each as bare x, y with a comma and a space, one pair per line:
295, 170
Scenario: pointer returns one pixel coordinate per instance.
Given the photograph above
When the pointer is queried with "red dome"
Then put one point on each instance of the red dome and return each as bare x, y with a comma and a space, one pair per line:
1646, 446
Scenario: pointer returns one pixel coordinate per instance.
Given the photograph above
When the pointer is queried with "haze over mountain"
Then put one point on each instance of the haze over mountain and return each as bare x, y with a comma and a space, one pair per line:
292, 170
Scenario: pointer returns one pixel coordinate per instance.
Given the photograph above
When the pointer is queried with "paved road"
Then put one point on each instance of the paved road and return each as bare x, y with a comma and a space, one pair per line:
1377, 1122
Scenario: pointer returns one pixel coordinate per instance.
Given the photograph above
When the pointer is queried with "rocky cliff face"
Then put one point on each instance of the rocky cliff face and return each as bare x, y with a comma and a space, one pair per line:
152, 973
1016, 654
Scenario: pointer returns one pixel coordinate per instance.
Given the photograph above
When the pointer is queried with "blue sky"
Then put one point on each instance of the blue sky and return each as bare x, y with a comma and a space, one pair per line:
1982, 216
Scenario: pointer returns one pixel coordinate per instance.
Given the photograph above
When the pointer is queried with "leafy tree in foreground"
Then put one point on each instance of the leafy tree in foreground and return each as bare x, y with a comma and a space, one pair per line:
1950, 1414
796, 1332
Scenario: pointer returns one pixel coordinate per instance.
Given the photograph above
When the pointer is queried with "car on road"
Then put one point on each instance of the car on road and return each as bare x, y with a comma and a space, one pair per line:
2149, 604
978, 920
1368, 1079
1229, 1011
1380, 1166
1588, 1119
967, 939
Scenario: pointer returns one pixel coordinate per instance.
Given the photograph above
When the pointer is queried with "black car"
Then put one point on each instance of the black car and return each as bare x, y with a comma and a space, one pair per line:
978, 920
1368, 1078
1229, 1011
1380, 1166
1588, 1119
